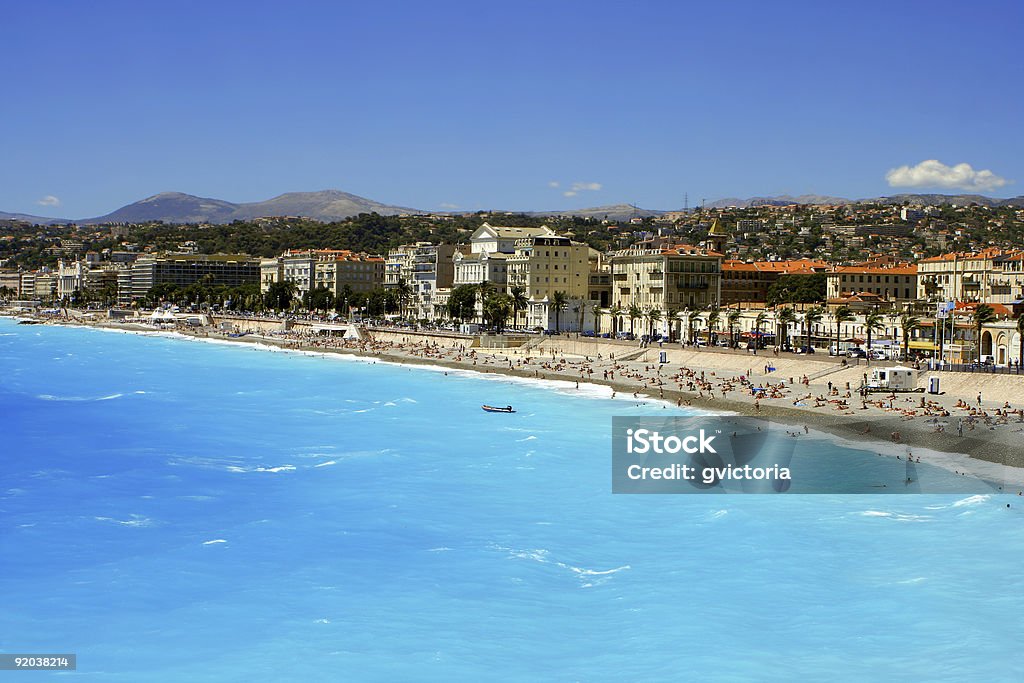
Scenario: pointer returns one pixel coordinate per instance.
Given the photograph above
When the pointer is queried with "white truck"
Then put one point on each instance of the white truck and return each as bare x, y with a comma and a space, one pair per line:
896, 378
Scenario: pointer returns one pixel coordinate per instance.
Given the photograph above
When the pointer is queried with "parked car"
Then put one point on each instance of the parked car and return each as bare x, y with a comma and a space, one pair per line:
589, 333
805, 349
856, 353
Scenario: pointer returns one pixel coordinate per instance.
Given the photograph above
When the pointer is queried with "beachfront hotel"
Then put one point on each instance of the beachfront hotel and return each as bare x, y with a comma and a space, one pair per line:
332, 269
668, 278
232, 270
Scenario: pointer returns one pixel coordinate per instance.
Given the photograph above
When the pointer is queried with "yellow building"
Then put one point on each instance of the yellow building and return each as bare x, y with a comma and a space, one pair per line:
544, 265
668, 279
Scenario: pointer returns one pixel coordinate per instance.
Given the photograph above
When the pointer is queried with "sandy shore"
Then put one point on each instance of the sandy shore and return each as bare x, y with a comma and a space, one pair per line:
713, 382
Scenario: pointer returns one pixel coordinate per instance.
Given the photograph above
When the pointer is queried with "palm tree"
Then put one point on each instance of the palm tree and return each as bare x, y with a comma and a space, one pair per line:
843, 314
785, 318
484, 290
519, 302
872, 321
615, 311
758, 324
560, 301
983, 315
730, 319
714, 315
344, 298
653, 316
908, 323
496, 311
633, 313
812, 316
596, 310
404, 292
693, 320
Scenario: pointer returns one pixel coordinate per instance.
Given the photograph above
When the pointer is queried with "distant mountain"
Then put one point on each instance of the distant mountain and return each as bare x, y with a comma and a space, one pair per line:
333, 205
35, 220
613, 212
814, 199
958, 199
176, 207
780, 200
171, 207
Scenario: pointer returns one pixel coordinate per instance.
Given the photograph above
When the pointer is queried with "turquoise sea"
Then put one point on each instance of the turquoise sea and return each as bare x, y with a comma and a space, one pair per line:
175, 510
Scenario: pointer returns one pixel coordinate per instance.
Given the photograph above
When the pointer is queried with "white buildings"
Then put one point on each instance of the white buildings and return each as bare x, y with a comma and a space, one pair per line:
425, 268
489, 248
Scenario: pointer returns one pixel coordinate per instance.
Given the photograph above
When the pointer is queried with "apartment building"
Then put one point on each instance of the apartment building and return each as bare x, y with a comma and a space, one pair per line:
667, 279
749, 281
887, 283
231, 270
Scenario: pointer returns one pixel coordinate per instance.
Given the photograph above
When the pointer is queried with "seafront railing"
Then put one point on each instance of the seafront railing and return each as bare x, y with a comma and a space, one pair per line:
981, 368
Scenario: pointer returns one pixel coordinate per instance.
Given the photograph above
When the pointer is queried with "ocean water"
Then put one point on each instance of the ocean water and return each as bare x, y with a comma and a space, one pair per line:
177, 510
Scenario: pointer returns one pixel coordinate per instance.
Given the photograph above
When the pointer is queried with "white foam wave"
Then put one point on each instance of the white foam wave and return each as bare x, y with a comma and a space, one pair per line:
214, 541
325, 464
529, 438
279, 468
971, 500
543, 556
50, 397
895, 516
135, 521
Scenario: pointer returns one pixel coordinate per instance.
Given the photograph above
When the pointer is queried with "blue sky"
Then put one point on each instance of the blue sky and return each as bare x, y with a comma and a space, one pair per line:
508, 105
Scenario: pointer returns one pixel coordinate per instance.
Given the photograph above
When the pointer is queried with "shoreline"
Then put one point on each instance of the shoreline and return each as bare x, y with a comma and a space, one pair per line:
848, 427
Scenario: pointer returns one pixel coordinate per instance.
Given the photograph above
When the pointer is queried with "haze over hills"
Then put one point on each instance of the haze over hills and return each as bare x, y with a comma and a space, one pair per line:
814, 199
616, 212
176, 207
333, 205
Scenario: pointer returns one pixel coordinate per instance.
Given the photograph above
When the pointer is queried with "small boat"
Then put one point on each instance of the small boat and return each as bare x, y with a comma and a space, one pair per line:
493, 409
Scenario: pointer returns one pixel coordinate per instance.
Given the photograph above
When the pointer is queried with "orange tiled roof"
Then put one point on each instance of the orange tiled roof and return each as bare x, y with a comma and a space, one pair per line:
798, 266
990, 252
902, 269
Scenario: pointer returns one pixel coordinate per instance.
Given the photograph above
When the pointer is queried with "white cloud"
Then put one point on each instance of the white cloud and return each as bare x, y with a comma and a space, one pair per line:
49, 200
578, 187
447, 205
934, 173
